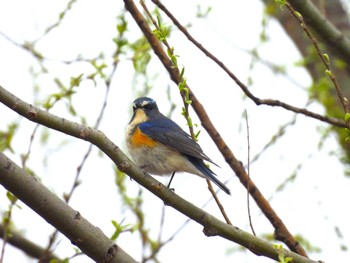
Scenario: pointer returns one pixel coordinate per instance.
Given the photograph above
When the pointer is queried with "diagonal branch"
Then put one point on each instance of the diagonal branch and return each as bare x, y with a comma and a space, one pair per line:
55, 211
281, 231
75, 227
244, 88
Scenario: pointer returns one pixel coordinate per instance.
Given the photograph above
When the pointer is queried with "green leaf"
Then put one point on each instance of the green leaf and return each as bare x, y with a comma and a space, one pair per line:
158, 20
7, 136
182, 85
122, 25
99, 67
347, 117
11, 197
183, 112
75, 81
120, 228
298, 14
197, 135
189, 122
158, 34
170, 51
174, 60
182, 72
203, 13
117, 231
326, 57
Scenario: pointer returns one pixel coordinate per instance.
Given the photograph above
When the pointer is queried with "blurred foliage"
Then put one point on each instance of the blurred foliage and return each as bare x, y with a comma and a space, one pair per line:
135, 205
7, 136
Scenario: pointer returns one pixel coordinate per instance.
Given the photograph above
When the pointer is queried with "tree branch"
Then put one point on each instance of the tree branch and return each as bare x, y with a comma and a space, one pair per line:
325, 59
87, 237
27, 246
334, 39
281, 231
69, 222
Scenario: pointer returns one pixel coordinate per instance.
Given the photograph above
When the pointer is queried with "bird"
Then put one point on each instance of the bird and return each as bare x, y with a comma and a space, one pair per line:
161, 147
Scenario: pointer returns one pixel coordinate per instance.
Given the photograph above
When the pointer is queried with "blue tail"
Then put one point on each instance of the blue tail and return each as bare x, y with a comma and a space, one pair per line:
200, 165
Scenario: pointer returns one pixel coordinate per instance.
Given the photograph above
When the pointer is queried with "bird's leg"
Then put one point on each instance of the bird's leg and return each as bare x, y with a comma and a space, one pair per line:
171, 189
171, 179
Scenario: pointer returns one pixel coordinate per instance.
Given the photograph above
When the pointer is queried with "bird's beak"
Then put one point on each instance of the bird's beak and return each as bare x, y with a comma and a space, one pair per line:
133, 116
138, 116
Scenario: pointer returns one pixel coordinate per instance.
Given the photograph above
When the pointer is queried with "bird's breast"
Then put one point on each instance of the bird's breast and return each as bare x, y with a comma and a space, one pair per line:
138, 139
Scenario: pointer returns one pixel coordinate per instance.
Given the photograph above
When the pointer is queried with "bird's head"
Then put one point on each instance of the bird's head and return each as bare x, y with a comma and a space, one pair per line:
144, 108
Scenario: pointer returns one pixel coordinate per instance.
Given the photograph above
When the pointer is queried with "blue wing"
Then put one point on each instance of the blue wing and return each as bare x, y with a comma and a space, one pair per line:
166, 131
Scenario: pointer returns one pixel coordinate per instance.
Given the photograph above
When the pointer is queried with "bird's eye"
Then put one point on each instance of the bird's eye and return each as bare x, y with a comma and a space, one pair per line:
148, 107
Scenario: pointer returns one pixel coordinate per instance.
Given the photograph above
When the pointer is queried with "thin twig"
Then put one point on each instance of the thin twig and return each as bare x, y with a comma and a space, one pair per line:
25, 157
171, 52
7, 232
280, 132
217, 200
76, 183
60, 18
248, 172
324, 58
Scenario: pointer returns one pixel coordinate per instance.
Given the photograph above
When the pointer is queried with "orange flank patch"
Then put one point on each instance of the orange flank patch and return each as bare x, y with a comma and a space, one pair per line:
140, 139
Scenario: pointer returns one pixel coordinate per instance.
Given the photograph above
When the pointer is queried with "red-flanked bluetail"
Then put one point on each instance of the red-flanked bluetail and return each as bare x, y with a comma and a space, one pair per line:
160, 147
